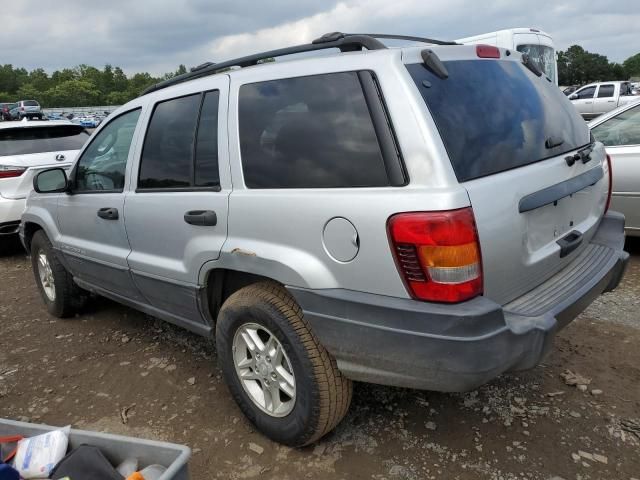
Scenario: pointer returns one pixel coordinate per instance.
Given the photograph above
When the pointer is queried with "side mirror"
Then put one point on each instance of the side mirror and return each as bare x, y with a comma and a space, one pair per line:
52, 180
573, 96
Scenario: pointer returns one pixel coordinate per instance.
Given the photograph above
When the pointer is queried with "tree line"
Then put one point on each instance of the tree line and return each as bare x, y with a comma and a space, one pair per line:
85, 85
577, 66
81, 86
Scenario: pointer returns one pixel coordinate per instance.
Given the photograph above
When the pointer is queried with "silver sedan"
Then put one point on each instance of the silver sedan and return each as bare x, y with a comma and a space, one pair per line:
619, 130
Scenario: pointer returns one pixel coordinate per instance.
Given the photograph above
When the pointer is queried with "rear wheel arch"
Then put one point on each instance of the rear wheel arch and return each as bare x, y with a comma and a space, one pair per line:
221, 283
30, 229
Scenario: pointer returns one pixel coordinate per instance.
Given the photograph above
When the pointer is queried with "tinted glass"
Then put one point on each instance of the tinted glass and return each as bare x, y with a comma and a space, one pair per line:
102, 165
605, 91
206, 174
623, 129
167, 155
495, 115
309, 132
21, 141
30, 103
588, 92
543, 57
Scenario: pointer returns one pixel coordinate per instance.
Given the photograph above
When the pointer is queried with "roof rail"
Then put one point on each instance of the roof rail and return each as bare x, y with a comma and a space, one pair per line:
342, 41
408, 37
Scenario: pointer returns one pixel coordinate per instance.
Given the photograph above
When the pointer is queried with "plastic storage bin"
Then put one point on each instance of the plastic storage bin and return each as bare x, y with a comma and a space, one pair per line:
116, 447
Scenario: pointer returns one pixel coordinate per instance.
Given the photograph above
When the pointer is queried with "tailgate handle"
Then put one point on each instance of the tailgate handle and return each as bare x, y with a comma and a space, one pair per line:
569, 243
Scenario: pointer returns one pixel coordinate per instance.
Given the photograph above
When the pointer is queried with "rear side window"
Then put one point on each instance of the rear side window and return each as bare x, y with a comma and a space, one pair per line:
495, 115
309, 132
181, 146
24, 141
605, 91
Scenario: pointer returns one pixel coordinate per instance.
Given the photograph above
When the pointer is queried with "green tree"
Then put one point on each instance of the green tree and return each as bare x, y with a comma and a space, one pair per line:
29, 92
577, 66
74, 93
632, 65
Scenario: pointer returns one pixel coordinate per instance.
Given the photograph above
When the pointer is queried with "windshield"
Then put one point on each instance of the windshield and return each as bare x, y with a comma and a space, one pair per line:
495, 115
24, 141
543, 57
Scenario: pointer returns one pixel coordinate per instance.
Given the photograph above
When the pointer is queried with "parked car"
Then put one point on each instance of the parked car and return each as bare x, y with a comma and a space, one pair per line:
619, 130
25, 149
569, 90
4, 111
597, 98
26, 109
343, 217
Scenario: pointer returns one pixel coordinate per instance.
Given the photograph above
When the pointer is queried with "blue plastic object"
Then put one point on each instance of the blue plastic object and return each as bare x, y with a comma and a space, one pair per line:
8, 473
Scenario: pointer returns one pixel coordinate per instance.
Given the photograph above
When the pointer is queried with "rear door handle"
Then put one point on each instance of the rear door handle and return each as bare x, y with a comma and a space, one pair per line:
108, 213
204, 218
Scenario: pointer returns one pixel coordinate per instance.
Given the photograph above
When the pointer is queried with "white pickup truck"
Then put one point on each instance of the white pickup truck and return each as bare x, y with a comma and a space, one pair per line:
597, 98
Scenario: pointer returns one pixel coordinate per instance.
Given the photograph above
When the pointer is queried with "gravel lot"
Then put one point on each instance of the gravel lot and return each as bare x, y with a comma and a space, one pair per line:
86, 371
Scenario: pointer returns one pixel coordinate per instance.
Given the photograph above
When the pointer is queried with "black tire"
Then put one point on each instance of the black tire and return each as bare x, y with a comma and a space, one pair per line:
323, 394
68, 296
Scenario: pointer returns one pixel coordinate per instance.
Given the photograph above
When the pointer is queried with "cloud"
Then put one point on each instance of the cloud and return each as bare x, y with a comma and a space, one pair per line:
157, 35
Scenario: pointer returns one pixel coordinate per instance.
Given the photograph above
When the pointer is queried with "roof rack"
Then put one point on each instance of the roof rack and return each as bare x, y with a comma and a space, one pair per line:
345, 42
411, 38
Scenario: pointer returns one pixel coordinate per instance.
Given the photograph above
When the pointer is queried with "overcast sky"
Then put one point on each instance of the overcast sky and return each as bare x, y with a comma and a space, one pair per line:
158, 35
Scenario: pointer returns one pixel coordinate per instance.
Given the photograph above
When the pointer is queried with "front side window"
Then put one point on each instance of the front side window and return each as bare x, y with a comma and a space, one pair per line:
309, 132
606, 91
623, 129
585, 93
103, 164
181, 146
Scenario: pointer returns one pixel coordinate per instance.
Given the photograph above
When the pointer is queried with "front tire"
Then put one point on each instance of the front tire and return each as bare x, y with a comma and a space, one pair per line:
282, 378
56, 286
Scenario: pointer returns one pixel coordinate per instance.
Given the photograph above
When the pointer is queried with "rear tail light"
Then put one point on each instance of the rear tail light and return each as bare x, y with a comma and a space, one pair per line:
487, 51
610, 172
22, 108
9, 171
438, 254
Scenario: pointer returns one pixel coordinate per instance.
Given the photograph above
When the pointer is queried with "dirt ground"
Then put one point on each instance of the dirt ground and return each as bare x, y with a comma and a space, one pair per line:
531, 425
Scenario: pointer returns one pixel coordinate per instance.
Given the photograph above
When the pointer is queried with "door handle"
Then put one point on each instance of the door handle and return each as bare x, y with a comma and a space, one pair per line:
204, 218
610, 101
108, 213
588, 103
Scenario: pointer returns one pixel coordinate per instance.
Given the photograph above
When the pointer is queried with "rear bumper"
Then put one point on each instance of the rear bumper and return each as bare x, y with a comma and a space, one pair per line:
408, 343
10, 213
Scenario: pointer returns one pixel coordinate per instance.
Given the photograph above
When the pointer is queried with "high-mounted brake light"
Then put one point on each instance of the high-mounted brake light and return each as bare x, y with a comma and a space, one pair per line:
438, 254
9, 171
487, 51
610, 172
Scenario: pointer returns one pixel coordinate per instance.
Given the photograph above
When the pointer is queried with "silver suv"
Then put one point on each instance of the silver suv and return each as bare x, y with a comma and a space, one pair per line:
426, 217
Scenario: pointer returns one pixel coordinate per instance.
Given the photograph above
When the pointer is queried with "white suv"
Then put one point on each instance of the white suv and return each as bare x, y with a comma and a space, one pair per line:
25, 149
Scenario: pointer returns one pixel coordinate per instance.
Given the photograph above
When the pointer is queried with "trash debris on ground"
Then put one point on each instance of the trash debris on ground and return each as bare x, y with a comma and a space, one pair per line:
575, 379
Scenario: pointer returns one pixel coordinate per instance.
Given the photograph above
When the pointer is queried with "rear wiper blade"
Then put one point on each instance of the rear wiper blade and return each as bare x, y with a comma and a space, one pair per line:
553, 142
583, 154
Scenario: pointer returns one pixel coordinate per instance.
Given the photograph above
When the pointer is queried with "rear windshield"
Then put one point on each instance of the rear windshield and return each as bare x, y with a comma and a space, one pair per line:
30, 103
23, 141
495, 115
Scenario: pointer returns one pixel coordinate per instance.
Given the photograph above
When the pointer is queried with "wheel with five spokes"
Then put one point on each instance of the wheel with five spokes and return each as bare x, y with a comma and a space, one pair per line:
58, 290
282, 378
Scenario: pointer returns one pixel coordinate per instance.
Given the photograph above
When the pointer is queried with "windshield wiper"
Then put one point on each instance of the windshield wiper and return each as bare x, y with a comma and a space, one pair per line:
553, 142
583, 154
